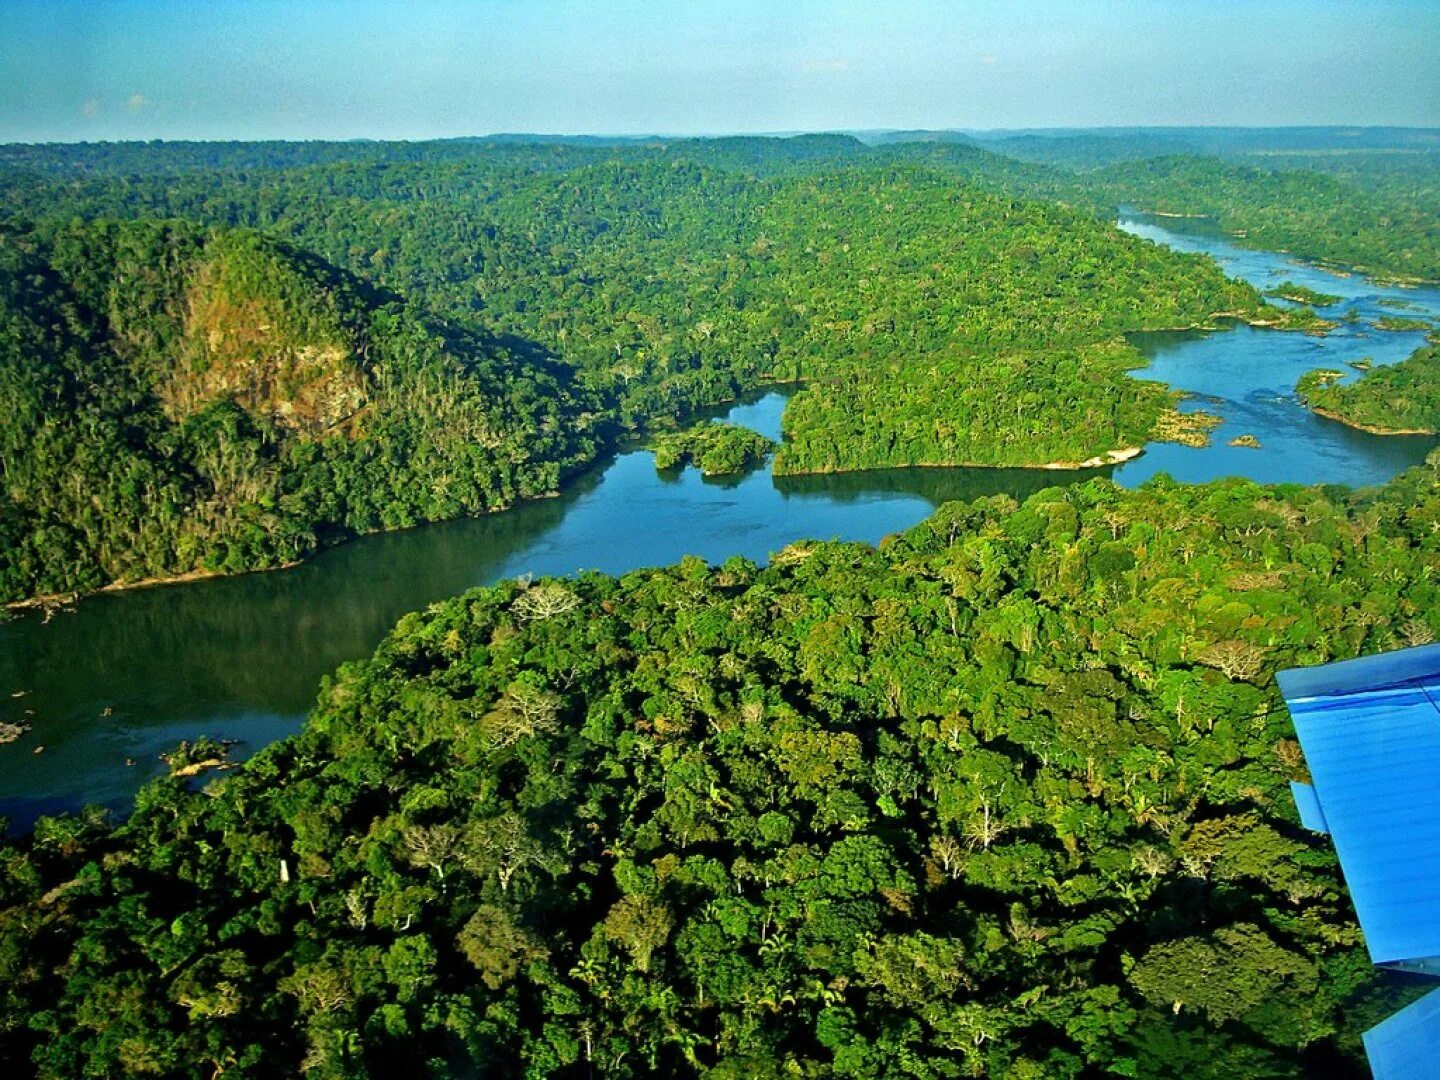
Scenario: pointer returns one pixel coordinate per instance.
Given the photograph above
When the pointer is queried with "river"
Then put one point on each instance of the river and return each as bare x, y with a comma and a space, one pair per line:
1247, 374
108, 686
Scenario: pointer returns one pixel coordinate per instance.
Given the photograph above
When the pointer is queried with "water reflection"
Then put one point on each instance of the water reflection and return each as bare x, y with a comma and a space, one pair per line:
935, 486
127, 675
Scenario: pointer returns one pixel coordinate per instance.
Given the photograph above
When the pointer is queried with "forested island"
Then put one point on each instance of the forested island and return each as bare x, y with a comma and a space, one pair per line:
714, 449
1301, 294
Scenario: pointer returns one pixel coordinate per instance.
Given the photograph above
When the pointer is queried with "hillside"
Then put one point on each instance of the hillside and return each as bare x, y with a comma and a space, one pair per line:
1005, 797
1363, 197
181, 401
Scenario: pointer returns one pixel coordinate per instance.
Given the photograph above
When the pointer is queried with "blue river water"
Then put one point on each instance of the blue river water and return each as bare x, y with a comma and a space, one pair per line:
1247, 375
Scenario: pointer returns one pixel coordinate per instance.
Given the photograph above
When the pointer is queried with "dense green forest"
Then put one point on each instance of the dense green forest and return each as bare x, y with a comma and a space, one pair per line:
1354, 197
453, 326
1367, 198
715, 449
1004, 797
180, 402
981, 409
1403, 397
225, 370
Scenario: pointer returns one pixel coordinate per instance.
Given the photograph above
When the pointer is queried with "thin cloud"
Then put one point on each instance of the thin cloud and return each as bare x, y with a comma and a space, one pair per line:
988, 59
815, 67
91, 107
136, 102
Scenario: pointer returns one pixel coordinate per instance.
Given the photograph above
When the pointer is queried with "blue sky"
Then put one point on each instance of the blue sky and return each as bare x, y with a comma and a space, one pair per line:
139, 69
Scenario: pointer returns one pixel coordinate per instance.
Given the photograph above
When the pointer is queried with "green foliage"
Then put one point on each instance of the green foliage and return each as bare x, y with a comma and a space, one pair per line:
1396, 322
357, 347
179, 403
1230, 975
1060, 405
716, 449
1376, 228
1302, 294
1393, 398
1007, 796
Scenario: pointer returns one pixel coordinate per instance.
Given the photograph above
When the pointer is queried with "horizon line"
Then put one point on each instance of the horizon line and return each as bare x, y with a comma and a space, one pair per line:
782, 133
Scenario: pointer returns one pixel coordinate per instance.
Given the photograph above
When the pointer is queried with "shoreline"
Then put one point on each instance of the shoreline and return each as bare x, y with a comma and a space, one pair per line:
1332, 266
44, 600
1372, 429
1174, 214
1099, 461
48, 600
1224, 317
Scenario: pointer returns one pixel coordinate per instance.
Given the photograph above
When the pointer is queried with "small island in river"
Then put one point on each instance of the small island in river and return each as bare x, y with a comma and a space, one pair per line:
716, 449
1302, 294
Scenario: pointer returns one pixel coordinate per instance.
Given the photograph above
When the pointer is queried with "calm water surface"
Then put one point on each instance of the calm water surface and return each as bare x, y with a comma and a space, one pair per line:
125, 676
1247, 375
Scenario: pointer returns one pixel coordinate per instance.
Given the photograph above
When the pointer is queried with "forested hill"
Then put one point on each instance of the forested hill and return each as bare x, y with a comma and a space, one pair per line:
1367, 198
1389, 227
1364, 197
181, 401
265, 390
1007, 797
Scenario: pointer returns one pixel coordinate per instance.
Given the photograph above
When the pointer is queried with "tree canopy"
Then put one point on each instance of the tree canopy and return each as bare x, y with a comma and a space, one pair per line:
1005, 797
1403, 397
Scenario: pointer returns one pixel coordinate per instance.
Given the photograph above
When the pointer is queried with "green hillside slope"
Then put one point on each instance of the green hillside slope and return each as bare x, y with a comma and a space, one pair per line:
183, 402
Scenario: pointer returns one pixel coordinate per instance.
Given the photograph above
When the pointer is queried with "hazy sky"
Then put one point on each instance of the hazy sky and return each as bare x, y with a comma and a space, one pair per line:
140, 69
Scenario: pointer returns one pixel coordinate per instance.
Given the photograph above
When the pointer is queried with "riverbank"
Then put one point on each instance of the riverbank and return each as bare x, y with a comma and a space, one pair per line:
1174, 214
1315, 325
53, 600
1241, 238
1099, 461
134, 675
1220, 319
1373, 429
58, 600
616, 445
